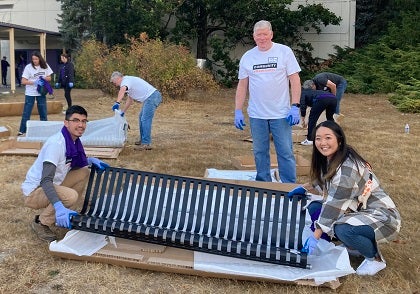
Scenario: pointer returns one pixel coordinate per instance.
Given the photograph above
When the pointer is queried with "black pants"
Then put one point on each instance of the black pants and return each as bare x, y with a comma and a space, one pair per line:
319, 105
3, 78
67, 95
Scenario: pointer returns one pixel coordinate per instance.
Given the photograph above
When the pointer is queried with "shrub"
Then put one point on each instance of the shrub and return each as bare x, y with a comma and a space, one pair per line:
407, 96
170, 68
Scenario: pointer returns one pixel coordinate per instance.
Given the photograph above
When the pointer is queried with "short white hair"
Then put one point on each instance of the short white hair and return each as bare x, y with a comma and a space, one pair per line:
114, 75
262, 24
308, 84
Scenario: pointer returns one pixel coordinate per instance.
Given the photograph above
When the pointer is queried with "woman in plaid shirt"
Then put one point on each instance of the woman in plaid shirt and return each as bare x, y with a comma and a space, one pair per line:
355, 209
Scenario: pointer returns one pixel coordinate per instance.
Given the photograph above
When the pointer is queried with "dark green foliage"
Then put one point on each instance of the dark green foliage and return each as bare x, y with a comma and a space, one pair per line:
386, 65
407, 96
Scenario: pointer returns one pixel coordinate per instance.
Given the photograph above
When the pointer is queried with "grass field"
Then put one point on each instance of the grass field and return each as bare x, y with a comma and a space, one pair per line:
189, 136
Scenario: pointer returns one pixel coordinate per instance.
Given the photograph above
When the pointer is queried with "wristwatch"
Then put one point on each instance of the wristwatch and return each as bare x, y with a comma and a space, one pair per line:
296, 104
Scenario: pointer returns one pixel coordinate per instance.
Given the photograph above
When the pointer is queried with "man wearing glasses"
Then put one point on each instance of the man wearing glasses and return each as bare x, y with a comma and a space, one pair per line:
56, 180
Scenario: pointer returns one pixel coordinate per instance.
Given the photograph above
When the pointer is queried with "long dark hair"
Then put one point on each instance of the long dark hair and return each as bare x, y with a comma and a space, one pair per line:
42, 62
321, 169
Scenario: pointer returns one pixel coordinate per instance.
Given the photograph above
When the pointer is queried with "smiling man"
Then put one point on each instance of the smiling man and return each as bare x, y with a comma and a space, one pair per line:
56, 180
267, 71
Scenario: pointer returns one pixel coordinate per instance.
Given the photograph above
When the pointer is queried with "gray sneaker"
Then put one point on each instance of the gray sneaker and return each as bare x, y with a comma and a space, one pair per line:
142, 147
42, 231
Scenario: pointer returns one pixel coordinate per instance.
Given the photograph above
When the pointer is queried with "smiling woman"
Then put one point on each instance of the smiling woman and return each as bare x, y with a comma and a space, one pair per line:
342, 176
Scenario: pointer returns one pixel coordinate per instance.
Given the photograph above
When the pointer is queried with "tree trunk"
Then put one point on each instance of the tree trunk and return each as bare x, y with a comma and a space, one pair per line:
202, 32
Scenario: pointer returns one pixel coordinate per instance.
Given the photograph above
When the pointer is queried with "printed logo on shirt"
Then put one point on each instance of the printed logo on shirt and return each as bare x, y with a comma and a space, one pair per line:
273, 59
266, 67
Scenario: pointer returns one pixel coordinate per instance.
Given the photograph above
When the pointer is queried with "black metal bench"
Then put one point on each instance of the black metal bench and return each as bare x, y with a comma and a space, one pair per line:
197, 214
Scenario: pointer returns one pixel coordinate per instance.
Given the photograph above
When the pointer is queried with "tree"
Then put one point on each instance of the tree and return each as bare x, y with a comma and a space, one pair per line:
75, 22
222, 25
111, 21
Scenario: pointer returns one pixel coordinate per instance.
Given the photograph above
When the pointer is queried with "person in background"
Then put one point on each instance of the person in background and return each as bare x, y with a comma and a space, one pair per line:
138, 90
4, 66
355, 210
66, 77
319, 101
34, 76
20, 65
56, 180
334, 83
266, 71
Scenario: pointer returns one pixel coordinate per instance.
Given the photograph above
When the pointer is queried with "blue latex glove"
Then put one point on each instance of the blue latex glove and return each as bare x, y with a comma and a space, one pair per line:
239, 119
40, 81
57, 85
299, 191
294, 115
116, 106
62, 215
310, 245
71, 85
97, 163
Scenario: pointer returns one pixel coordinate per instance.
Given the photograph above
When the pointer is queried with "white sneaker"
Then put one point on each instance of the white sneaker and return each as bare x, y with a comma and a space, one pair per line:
307, 142
370, 267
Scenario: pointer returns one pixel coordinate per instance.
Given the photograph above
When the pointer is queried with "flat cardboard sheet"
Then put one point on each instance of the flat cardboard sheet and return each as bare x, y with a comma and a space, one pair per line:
11, 146
246, 162
16, 108
81, 245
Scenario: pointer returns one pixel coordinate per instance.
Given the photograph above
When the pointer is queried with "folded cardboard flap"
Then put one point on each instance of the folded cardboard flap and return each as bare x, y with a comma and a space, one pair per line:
16, 108
247, 162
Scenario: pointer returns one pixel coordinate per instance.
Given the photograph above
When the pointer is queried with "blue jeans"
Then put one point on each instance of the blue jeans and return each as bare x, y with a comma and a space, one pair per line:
41, 102
361, 238
146, 116
282, 136
341, 87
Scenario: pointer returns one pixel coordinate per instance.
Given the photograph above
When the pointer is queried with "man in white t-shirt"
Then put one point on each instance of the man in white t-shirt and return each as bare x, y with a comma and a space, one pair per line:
141, 91
266, 71
56, 180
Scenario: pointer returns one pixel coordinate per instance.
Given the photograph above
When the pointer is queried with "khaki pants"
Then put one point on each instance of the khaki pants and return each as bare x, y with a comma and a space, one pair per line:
70, 193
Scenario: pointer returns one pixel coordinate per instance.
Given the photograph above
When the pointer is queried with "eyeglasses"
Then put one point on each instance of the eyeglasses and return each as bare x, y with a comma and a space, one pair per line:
78, 121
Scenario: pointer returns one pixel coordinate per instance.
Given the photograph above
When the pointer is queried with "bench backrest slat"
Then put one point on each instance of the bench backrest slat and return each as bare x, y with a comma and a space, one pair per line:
196, 214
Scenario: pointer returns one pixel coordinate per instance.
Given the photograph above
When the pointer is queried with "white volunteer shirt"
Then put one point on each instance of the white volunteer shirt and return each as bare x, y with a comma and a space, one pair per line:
54, 151
32, 74
268, 73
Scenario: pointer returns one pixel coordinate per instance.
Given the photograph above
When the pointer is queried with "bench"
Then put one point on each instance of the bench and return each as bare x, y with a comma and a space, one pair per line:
196, 214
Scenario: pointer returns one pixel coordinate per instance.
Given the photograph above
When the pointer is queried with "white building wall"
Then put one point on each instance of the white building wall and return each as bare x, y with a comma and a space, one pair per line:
39, 14
342, 35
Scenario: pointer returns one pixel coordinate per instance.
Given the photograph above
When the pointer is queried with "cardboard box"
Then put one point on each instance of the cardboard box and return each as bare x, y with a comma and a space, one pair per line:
247, 162
136, 254
14, 147
16, 108
4, 132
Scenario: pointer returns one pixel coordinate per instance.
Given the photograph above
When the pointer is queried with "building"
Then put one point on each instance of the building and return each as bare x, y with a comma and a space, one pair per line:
28, 25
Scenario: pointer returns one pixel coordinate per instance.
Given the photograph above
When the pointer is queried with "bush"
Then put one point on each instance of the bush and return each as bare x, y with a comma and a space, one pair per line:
170, 68
407, 97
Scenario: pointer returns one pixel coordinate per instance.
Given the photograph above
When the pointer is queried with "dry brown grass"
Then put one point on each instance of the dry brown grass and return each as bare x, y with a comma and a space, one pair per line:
190, 136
